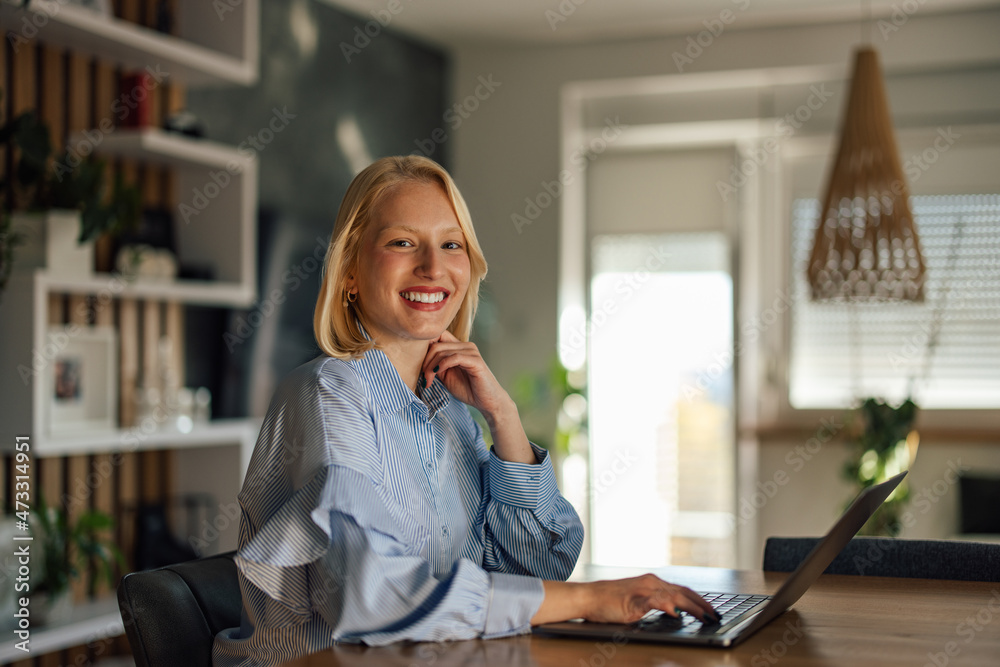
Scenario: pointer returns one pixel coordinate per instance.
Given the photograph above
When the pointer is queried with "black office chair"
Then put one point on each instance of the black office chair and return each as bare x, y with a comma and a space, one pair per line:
173, 613
893, 557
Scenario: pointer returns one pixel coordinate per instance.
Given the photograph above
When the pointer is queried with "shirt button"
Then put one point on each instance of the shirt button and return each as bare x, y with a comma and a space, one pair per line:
444, 530
430, 465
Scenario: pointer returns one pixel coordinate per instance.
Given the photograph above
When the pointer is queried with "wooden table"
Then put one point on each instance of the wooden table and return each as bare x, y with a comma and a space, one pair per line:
842, 621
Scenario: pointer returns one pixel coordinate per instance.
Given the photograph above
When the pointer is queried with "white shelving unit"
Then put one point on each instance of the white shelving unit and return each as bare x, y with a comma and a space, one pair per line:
221, 235
216, 220
217, 44
212, 48
195, 292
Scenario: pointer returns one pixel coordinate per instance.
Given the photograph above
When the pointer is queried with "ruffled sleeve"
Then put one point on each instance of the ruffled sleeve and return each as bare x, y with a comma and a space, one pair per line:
319, 419
375, 586
322, 538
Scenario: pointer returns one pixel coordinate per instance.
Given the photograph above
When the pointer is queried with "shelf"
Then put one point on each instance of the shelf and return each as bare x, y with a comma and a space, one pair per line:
134, 46
194, 292
215, 216
88, 622
169, 149
135, 439
214, 202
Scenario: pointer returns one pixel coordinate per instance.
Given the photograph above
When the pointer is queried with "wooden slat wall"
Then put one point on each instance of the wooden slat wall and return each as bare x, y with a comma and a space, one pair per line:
72, 92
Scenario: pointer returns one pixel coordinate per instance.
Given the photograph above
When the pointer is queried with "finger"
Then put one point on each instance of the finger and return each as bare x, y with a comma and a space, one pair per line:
439, 345
457, 358
471, 365
434, 360
696, 605
448, 337
440, 351
681, 599
436, 347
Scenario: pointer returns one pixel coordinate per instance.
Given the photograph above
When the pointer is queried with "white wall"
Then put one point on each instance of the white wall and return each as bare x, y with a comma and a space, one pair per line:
509, 148
814, 494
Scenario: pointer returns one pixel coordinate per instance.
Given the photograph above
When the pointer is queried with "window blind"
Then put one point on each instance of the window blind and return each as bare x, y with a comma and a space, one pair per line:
841, 352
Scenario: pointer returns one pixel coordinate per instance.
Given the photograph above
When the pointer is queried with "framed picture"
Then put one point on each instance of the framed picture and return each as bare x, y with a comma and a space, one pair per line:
81, 385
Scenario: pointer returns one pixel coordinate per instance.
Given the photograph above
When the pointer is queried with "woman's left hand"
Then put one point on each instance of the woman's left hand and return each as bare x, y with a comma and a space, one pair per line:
464, 373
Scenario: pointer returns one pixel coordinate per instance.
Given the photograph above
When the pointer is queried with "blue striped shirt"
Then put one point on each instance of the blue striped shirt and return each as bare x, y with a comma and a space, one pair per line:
373, 515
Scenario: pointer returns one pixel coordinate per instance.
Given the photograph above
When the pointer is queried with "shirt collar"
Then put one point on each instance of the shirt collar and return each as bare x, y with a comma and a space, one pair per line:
436, 397
390, 393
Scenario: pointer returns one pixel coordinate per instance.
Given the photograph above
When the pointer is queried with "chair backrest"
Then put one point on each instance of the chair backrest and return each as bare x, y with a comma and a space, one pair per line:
893, 557
173, 613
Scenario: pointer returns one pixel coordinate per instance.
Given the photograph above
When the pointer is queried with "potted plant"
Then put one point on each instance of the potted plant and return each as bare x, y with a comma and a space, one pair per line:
883, 440
65, 199
557, 392
69, 547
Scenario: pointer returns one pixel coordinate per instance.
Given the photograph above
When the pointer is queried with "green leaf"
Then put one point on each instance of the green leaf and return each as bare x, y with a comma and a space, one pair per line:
85, 535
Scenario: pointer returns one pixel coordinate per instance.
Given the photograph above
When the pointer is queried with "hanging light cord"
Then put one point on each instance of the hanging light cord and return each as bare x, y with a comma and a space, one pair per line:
937, 316
854, 341
866, 22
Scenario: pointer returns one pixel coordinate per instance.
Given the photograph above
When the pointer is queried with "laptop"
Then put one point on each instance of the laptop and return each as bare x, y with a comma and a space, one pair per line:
742, 614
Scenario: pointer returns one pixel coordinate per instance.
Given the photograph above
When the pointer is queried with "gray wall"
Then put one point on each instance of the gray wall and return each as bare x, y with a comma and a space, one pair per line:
941, 69
391, 93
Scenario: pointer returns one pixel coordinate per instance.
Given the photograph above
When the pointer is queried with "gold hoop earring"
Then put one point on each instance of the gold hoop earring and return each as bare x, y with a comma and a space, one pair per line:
350, 294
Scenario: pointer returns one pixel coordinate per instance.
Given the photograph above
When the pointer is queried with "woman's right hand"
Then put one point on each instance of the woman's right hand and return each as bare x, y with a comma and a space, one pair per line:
619, 601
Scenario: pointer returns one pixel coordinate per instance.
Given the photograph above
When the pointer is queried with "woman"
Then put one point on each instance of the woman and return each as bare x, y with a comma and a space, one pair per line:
372, 510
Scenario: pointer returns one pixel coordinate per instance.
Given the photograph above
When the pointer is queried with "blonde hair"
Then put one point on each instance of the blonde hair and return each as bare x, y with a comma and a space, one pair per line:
335, 320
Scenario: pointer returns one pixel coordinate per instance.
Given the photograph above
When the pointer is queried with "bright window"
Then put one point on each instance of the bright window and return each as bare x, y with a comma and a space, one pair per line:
661, 400
841, 352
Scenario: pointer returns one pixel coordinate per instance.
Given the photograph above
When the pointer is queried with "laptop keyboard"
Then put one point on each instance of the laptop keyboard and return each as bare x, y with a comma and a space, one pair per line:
730, 606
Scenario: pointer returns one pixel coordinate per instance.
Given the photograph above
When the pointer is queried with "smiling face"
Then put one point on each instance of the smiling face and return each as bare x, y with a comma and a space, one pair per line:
413, 268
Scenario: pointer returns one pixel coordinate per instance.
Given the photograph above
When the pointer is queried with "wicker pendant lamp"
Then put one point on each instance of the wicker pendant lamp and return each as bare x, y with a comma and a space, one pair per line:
866, 244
